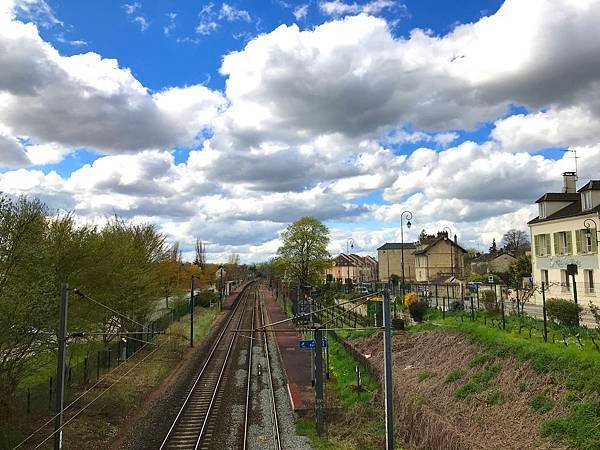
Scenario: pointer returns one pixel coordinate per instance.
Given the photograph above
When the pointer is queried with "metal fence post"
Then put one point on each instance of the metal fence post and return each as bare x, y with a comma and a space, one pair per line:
544, 311
387, 369
50, 387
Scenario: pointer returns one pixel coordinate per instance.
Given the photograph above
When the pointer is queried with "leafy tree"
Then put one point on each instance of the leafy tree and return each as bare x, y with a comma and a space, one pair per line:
303, 255
519, 269
515, 241
494, 247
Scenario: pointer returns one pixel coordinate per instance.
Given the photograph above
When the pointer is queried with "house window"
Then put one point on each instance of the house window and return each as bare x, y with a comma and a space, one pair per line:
545, 277
588, 279
564, 281
542, 210
562, 243
542, 244
586, 200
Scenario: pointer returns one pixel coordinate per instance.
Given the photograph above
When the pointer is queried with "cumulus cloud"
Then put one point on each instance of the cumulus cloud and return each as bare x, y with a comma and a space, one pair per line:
314, 122
339, 8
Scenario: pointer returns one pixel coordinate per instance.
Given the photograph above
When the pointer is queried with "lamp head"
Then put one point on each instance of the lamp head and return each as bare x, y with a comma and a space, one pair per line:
408, 224
588, 233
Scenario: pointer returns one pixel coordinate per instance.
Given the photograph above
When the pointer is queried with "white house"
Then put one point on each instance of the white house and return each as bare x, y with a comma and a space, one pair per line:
566, 232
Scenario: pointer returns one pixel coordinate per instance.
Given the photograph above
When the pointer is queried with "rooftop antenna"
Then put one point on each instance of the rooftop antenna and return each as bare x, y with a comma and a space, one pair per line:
574, 151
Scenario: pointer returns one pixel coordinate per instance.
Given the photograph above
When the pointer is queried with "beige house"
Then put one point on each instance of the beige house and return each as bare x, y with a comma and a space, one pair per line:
359, 269
492, 263
566, 232
439, 259
390, 260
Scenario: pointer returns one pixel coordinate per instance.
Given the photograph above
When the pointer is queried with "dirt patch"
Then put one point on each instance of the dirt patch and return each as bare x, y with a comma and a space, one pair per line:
434, 409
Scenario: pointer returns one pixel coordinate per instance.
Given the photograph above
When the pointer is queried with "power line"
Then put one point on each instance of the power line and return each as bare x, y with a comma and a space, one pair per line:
82, 294
100, 380
99, 395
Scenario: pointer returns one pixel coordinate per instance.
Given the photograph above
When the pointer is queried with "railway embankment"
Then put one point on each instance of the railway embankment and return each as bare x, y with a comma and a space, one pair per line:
476, 389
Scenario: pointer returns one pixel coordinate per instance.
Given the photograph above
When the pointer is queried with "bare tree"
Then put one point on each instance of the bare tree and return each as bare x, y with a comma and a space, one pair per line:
515, 241
200, 254
234, 259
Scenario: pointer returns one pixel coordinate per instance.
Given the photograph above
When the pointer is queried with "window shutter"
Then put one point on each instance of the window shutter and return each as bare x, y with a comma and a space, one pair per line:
594, 242
536, 244
578, 241
569, 236
548, 245
555, 238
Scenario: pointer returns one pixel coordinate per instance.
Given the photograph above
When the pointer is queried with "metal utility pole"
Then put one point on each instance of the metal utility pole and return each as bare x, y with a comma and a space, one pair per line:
60, 366
544, 311
409, 216
448, 233
192, 311
388, 386
349, 245
319, 413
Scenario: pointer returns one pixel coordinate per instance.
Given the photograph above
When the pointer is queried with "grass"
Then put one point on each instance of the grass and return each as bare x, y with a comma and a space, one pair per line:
454, 375
356, 424
541, 404
579, 428
494, 397
576, 368
95, 427
424, 375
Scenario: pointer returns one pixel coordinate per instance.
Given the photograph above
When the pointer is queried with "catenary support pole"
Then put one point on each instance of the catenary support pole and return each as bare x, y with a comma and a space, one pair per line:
319, 415
192, 311
60, 366
387, 368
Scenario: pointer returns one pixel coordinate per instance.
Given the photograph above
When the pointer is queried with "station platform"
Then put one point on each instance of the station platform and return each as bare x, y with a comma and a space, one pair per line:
296, 362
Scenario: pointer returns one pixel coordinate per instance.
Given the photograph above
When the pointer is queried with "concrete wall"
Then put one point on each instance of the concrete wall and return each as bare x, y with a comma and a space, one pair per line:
437, 262
393, 260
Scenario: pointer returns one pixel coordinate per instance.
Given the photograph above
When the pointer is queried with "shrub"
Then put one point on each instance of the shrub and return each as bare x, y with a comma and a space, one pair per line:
565, 312
468, 389
417, 310
410, 297
595, 310
488, 298
456, 305
205, 298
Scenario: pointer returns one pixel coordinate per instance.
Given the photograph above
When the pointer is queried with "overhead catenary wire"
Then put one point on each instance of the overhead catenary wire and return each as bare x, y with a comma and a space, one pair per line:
83, 394
318, 310
99, 395
84, 295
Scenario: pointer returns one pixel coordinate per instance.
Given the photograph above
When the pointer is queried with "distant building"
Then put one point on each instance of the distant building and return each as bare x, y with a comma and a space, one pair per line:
360, 269
492, 262
560, 237
439, 258
389, 256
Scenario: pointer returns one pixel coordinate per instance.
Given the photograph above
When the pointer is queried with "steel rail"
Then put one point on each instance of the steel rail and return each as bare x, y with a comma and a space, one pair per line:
276, 435
239, 304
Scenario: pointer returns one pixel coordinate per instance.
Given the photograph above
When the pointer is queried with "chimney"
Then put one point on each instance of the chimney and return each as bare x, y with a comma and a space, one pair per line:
570, 183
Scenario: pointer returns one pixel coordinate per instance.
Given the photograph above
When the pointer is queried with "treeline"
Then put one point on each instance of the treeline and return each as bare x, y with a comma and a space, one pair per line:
123, 265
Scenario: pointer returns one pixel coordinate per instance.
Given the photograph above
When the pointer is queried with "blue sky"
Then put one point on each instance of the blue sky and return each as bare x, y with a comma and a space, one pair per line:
225, 121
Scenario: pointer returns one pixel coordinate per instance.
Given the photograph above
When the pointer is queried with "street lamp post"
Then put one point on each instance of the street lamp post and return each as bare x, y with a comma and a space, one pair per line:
448, 233
349, 245
408, 216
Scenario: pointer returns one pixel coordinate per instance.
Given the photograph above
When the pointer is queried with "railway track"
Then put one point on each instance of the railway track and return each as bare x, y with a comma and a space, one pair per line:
257, 372
195, 423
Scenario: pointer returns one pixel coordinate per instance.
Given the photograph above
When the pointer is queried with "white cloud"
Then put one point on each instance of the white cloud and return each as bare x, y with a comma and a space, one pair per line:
231, 13
12, 153
142, 22
167, 29
131, 8
301, 11
340, 8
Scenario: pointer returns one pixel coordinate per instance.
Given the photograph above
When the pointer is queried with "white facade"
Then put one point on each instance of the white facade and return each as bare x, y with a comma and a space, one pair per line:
560, 237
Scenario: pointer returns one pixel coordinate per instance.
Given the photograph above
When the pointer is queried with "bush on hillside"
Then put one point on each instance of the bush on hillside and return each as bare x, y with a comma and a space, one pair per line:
565, 312
206, 298
417, 310
488, 298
